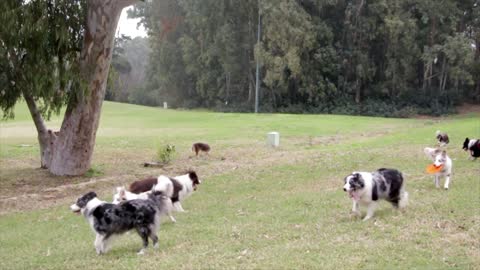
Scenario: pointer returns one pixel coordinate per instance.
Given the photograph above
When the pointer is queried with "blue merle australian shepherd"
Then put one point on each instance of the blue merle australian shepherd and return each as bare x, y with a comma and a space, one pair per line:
108, 219
367, 188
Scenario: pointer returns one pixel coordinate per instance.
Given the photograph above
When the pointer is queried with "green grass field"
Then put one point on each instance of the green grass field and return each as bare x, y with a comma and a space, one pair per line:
258, 207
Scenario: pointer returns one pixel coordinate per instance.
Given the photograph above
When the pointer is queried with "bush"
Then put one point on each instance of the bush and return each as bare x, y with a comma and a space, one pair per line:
166, 153
405, 112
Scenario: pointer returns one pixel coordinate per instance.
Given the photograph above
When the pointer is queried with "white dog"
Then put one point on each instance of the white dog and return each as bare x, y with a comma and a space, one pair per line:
440, 158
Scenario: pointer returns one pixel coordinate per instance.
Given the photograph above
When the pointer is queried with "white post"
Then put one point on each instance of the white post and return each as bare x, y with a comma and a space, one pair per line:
273, 139
165, 105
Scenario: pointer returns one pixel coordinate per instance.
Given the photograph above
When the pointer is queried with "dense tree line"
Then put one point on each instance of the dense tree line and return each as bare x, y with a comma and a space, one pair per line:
386, 57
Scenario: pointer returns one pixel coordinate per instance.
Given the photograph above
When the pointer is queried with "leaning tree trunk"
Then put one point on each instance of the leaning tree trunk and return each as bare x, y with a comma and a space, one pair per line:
46, 137
477, 61
72, 150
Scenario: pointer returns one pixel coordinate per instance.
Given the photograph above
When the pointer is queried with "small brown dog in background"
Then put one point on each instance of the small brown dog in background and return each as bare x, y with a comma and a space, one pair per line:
200, 147
442, 138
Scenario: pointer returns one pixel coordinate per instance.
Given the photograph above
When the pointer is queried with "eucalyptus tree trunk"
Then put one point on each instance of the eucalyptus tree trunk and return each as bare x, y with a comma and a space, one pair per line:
70, 151
477, 60
358, 91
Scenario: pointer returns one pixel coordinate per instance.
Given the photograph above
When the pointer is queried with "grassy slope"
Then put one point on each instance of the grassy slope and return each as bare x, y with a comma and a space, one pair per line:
261, 208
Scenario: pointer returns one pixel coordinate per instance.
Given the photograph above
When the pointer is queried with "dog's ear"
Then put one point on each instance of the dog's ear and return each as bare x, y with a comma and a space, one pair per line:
429, 151
193, 177
358, 180
444, 154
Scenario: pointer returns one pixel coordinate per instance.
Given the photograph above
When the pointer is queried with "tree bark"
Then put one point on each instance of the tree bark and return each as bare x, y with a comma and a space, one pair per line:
443, 75
72, 150
358, 91
46, 137
477, 59
251, 85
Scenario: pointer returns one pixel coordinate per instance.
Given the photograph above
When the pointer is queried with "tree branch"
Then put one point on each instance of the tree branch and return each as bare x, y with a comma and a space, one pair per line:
36, 115
126, 3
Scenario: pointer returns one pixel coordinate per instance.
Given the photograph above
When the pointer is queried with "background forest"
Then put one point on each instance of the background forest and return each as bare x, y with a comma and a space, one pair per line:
381, 57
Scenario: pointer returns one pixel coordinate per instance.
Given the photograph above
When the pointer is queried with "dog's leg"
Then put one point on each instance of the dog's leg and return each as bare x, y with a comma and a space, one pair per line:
370, 211
153, 235
437, 181
355, 208
144, 233
403, 200
99, 243
106, 243
178, 207
447, 181
170, 210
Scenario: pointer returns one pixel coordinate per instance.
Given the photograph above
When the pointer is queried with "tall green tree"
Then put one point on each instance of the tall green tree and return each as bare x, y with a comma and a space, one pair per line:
59, 54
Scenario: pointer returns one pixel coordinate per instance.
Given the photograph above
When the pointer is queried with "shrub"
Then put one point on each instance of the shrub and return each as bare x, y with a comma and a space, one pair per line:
166, 153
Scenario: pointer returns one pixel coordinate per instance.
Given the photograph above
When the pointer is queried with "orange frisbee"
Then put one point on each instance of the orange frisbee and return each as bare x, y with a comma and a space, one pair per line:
433, 169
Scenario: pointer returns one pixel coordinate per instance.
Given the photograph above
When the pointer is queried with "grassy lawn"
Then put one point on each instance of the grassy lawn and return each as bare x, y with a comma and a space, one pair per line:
257, 208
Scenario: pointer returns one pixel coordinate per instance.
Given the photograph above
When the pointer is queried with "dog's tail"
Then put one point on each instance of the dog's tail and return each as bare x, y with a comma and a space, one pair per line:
120, 195
165, 185
403, 200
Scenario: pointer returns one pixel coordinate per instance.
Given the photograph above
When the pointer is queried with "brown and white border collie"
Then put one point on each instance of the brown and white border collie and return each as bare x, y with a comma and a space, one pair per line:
442, 138
166, 187
182, 187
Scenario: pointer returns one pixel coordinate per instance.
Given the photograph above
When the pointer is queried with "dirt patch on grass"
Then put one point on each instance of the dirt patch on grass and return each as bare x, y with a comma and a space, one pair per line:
20, 182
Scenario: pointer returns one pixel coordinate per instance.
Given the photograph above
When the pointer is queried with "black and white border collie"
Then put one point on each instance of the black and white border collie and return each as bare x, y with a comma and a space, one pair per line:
108, 219
367, 188
183, 186
473, 147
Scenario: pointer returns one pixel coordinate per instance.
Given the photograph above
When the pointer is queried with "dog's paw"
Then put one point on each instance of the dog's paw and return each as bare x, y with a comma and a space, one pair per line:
366, 218
141, 252
354, 215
